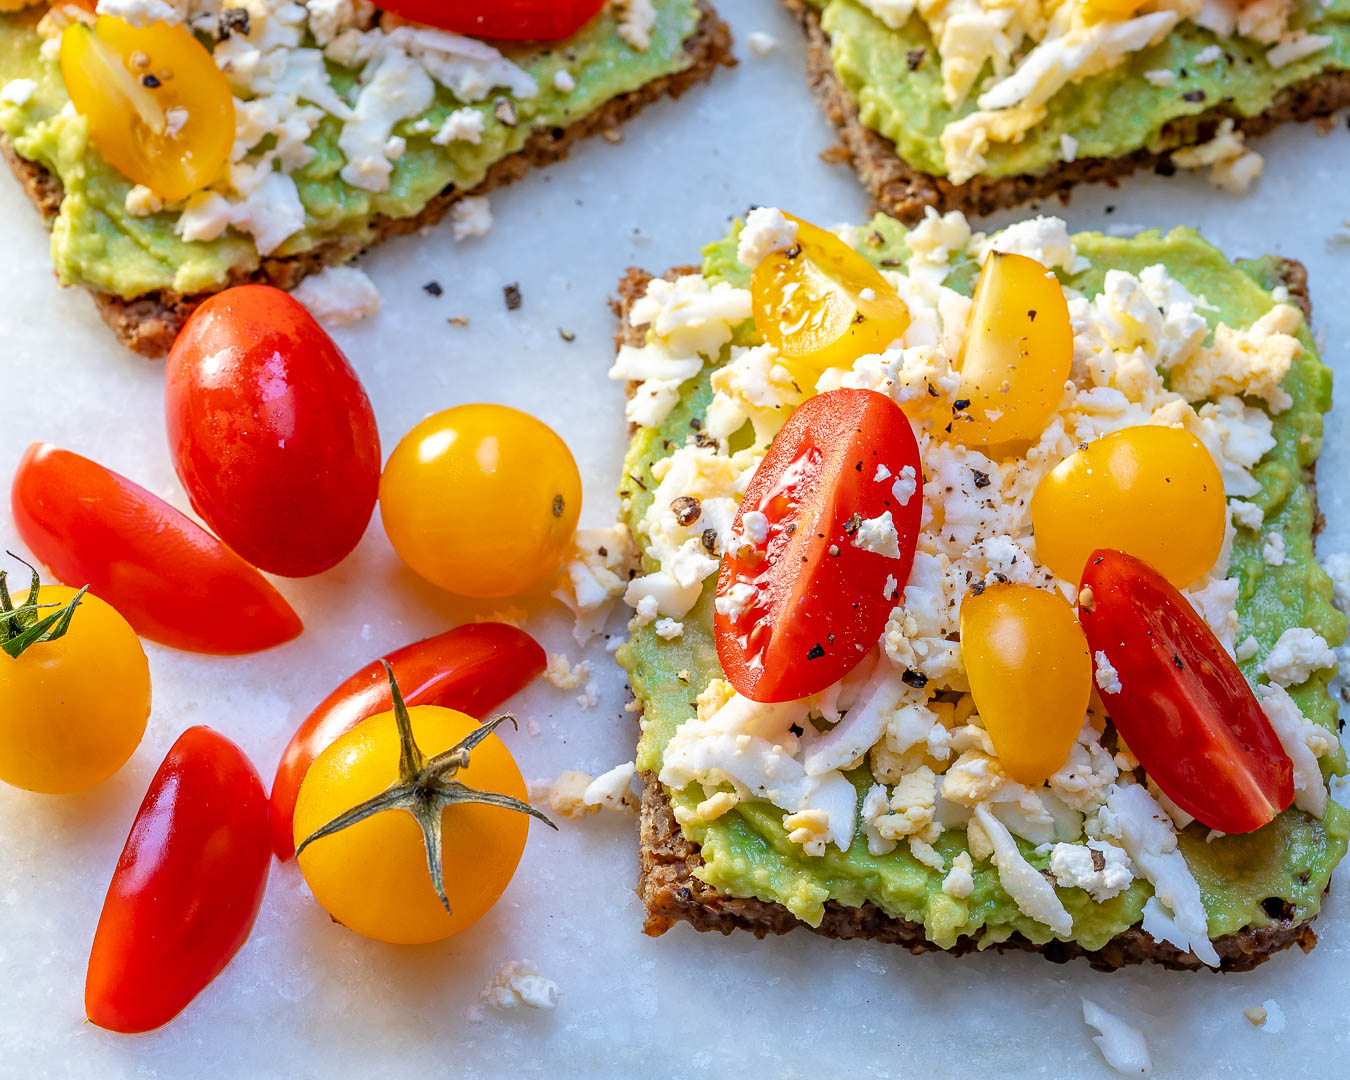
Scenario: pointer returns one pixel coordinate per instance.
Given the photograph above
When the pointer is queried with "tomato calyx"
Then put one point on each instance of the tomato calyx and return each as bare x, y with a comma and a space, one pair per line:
22, 627
426, 787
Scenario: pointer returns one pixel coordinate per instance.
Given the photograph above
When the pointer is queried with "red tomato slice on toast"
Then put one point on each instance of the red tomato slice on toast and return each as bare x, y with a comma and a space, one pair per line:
1182, 706
507, 20
821, 547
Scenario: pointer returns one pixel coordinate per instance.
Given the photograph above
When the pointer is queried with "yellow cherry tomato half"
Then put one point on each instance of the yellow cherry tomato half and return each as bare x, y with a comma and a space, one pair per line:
372, 877
73, 710
1017, 352
481, 500
1030, 675
821, 304
1112, 9
159, 109
1152, 492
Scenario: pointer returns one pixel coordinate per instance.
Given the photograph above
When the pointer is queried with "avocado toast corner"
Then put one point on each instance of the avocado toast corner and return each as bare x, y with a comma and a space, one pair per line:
904, 190
756, 884
147, 321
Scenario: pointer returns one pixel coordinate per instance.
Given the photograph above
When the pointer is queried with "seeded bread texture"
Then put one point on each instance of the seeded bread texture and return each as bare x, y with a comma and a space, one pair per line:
667, 861
148, 324
904, 192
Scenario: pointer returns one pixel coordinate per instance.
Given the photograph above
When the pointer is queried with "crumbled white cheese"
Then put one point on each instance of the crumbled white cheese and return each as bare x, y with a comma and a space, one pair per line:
1121, 1045
566, 796
142, 202
563, 81
1232, 166
1105, 673
878, 534
1210, 54
1034, 896
595, 576
17, 92
1102, 869
637, 19
338, 295
766, 230
1161, 77
613, 789
1297, 45
960, 880
736, 600
1304, 742
1296, 655
906, 484
761, 44
1246, 514
471, 216
463, 125
668, 629
1068, 147
518, 983
1272, 549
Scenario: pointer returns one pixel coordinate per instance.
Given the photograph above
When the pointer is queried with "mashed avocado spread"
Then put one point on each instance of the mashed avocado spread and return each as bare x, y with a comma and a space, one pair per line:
746, 851
895, 78
96, 243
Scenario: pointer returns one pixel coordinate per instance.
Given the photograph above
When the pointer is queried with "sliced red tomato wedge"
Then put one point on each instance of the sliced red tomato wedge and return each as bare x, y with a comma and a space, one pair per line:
170, 578
471, 669
1183, 707
801, 602
509, 20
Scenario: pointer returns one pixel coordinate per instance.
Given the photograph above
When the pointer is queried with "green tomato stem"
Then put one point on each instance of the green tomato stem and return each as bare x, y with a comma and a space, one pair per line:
20, 627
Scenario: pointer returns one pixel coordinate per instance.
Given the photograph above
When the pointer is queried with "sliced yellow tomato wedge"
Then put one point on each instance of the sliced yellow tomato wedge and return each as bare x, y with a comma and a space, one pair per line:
1030, 675
158, 108
822, 305
1017, 353
1152, 492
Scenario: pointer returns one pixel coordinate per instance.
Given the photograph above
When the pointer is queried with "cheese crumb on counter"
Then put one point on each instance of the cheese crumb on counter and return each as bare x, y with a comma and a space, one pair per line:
471, 216
760, 43
518, 984
338, 295
1121, 1045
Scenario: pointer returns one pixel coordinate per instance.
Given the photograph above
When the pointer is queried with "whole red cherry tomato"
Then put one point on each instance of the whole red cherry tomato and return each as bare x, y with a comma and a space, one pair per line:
511, 20
471, 669
171, 579
805, 588
187, 887
1180, 702
271, 431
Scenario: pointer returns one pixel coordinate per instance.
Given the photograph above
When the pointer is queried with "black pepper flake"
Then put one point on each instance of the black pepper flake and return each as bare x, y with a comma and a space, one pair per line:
232, 19
916, 679
1031, 316
932, 390
1165, 168
857, 466
512, 294
915, 57
709, 541
1098, 860
433, 288
817, 651
686, 509
793, 251
1193, 95
696, 424
797, 730
559, 505
638, 482
790, 528
150, 82
961, 403
981, 478
505, 111
977, 588
1177, 661
705, 440
853, 524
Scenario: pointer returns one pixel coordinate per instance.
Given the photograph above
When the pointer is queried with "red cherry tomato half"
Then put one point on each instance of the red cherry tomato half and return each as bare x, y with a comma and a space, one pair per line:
271, 431
471, 669
1183, 707
510, 20
813, 597
171, 579
187, 887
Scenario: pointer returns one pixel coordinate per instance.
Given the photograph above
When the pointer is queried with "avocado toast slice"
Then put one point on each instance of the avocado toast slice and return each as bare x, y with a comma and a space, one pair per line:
146, 277
864, 73
737, 868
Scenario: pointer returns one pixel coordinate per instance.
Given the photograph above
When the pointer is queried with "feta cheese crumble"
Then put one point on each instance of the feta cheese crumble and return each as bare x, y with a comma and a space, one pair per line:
1122, 1046
518, 984
339, 295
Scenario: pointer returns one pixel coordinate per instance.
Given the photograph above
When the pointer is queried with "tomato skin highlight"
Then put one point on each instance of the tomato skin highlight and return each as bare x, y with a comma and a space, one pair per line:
271, 431
815, 615
171, 579
508, 20
1184, 709
471, 669
187, 887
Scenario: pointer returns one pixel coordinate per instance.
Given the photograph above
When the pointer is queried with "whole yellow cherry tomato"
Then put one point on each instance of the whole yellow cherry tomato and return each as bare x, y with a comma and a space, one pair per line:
1152, 492
159, 109
1030, 675
1017, 352
481, 500
72, 709
373, 876
821, 304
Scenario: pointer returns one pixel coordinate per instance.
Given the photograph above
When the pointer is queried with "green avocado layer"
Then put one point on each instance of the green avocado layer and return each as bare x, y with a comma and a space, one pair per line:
1111, 114
747, 853
97, 244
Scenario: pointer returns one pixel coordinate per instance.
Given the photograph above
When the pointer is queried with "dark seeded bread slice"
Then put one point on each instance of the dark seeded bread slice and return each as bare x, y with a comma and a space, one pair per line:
904, 192
148, 324
672, 893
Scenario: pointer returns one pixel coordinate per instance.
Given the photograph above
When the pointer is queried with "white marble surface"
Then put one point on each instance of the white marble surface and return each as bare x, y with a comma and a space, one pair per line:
306, 998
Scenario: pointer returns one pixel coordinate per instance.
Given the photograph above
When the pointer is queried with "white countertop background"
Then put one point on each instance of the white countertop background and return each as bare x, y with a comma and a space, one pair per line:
306, 998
